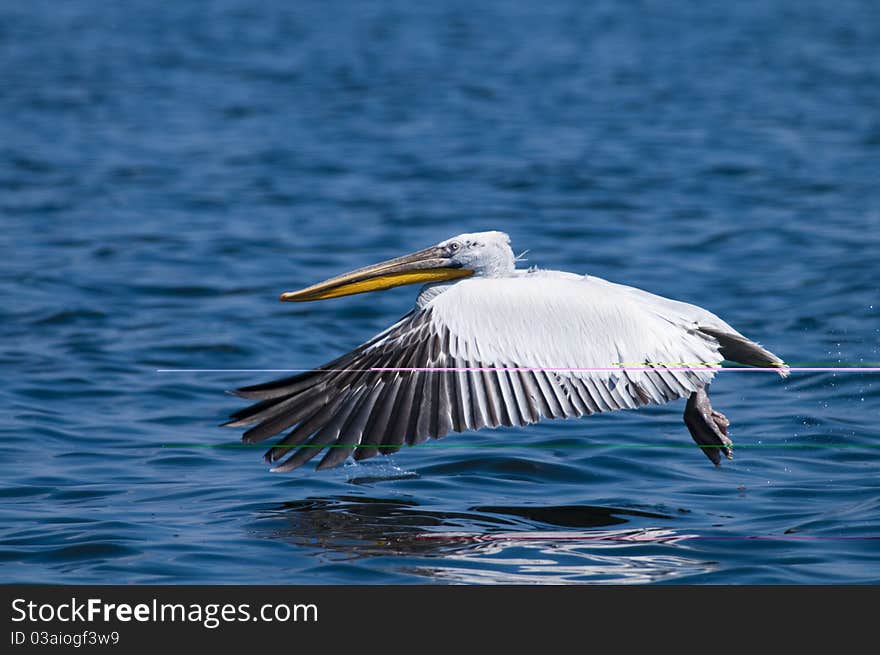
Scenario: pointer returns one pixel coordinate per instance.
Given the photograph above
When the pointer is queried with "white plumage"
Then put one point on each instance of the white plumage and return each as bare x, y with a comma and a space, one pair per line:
498, 347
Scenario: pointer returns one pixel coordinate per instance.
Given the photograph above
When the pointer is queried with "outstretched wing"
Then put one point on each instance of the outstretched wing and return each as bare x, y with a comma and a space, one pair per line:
485, 353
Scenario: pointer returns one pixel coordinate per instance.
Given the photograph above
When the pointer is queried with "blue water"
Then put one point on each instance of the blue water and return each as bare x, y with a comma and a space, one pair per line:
166, 169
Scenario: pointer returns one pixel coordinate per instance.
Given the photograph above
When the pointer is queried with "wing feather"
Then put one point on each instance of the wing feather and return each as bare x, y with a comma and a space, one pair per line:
524, 326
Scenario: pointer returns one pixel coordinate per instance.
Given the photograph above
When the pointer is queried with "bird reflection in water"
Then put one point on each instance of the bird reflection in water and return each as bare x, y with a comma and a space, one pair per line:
489, 544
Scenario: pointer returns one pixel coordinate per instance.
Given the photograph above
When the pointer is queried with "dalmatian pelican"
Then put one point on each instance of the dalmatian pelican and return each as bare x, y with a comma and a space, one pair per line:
488, 344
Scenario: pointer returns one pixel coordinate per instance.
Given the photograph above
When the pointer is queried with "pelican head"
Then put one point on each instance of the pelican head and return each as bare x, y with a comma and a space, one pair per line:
476, 253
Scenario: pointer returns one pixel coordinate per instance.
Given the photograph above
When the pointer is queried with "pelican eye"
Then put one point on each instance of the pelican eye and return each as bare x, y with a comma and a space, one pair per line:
453, 247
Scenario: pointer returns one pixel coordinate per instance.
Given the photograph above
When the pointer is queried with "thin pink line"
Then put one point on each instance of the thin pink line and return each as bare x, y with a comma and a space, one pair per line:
789, 538
641, 538
510, 537
642, 368
812, 369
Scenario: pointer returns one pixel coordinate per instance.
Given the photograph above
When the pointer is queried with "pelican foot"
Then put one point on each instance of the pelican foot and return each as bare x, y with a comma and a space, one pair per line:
708, 427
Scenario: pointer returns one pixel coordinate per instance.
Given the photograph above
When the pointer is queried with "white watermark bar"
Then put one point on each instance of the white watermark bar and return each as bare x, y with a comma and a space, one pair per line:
354, 619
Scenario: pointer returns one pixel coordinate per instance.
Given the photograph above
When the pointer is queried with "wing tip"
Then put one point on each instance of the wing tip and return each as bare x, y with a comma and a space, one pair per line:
250, 393
283, 467
286, 466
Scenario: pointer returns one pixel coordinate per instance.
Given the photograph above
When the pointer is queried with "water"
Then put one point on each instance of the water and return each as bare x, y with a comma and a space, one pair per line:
166, 171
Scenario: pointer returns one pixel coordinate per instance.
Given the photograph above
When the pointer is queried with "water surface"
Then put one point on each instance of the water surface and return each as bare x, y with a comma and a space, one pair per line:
166, 171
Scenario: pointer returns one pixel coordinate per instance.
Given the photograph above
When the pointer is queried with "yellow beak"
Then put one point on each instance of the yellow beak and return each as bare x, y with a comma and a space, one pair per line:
430, 265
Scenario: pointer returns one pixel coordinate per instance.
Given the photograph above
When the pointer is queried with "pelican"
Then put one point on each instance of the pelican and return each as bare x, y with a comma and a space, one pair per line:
489, 344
